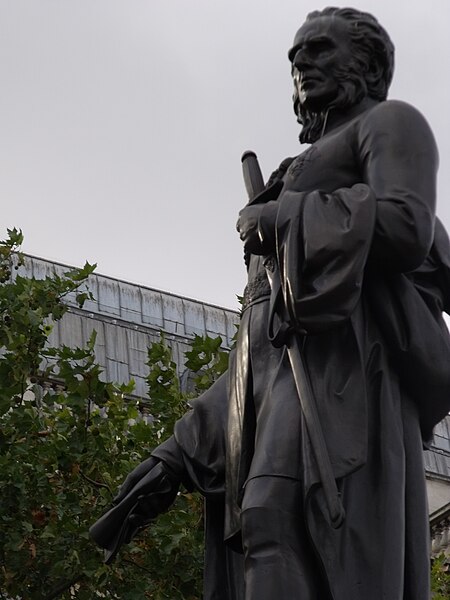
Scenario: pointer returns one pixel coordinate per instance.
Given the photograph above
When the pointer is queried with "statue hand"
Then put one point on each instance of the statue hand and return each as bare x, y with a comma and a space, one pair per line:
256, 221
256, 226
247, 226
148, 491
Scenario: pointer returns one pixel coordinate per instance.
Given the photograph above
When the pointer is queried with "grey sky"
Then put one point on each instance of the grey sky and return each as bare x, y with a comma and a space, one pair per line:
122, 123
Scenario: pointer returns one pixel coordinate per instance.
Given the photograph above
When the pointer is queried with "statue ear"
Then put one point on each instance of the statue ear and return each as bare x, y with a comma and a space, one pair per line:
374, 73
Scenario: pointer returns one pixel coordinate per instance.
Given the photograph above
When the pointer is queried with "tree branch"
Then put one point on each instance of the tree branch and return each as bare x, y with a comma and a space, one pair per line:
135, 564
96, 483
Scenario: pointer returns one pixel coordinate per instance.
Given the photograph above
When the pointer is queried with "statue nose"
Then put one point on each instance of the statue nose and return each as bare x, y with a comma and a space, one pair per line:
301, 60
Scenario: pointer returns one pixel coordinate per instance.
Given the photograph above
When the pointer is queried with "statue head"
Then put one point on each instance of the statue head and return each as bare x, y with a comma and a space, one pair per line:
339, 57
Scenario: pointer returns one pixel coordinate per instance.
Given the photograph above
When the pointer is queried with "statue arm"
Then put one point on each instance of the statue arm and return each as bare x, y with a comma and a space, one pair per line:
148, 490
399, 163
193, 456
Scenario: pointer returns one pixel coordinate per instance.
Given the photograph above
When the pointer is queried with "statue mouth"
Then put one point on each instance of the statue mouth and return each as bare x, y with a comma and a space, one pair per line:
308, 79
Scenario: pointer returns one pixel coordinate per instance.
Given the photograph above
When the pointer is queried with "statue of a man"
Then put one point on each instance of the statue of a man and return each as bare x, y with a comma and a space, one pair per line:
359, 267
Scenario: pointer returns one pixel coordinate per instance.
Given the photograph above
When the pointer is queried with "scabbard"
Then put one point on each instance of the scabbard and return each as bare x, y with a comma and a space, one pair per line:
254, 184
313, 426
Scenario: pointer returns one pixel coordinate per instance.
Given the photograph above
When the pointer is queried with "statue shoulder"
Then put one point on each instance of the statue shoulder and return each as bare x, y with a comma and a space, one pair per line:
397, 114
398, 122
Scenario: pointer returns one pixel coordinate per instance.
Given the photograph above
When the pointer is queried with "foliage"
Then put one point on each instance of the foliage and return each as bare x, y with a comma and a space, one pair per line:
64, 448
440, 578
207, 360
175, 542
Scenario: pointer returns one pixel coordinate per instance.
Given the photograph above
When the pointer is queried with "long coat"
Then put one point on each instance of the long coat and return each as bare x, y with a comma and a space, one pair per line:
363, 266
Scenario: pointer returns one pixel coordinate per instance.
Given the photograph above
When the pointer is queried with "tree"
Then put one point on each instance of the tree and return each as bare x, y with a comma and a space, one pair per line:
440, 578
64, 449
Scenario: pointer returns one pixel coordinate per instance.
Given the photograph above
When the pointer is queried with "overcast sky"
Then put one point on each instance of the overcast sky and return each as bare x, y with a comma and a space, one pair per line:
122, 123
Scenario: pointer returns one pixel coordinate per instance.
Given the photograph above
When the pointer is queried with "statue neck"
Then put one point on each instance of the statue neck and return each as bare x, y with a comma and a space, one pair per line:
337, 117
316, 125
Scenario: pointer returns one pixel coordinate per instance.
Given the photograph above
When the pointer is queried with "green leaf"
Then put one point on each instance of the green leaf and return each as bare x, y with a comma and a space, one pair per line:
15, 238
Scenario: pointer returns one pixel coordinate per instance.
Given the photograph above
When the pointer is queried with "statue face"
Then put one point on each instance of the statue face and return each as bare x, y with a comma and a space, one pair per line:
320, 52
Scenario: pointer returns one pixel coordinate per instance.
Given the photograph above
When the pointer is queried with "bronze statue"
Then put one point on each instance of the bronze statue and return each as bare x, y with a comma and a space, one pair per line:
349, 274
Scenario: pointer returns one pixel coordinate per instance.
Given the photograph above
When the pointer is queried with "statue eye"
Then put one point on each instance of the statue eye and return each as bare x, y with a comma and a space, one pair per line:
317, 47
312, 48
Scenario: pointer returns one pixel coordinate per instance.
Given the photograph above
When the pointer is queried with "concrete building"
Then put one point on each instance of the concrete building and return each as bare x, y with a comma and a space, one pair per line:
128, 317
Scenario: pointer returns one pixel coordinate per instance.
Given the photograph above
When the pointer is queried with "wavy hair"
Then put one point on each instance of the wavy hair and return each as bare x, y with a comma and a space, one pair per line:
372, 48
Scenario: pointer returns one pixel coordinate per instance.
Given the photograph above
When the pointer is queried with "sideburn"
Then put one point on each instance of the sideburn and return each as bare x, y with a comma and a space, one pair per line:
352, 89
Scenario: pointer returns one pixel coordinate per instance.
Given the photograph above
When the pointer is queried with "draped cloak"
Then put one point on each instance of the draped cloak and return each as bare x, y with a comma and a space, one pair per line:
364, 277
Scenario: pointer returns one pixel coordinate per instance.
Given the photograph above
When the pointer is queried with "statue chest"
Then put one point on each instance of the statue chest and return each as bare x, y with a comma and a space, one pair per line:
332, 162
